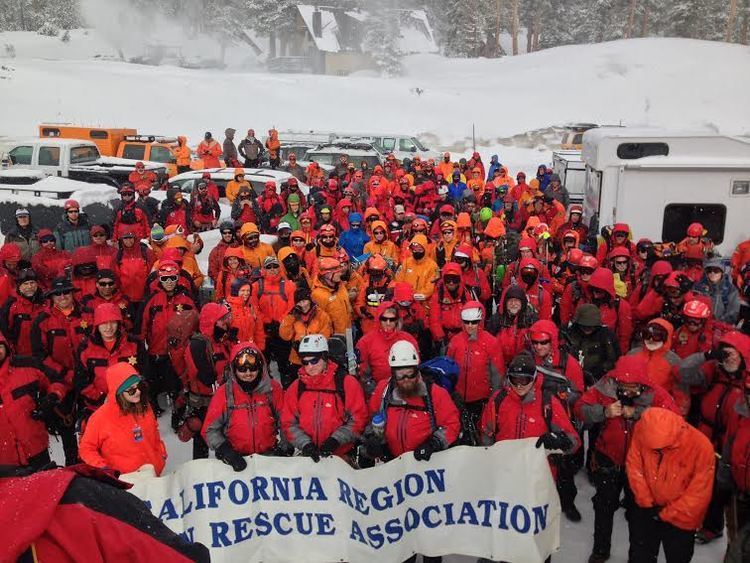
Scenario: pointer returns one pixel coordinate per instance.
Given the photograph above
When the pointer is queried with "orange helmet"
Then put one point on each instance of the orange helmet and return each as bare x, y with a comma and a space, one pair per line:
328, 264
695, 230
327, 230
376, 262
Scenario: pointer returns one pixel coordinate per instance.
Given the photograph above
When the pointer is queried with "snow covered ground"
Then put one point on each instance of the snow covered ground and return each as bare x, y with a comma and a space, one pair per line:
674, 83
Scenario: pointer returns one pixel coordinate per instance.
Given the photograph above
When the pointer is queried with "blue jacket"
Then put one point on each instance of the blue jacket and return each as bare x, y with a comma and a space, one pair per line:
456, 191
354, 240
494, 165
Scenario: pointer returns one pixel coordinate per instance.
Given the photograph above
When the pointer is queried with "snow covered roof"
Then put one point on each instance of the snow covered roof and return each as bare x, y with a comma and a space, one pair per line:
416, 35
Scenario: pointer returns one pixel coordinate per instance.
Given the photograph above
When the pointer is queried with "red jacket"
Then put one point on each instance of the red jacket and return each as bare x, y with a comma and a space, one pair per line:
249, 421
319, 412
373, 349
737, 448
475, 280
22, 436
480, 362
445, 310
89, 303
615, 435
93, 360
575, 292
18, 314
407, 421
155, 316
123, 442
244, 319
55, 338
132, 266
216, 259
140, 181
131, 218
49, 264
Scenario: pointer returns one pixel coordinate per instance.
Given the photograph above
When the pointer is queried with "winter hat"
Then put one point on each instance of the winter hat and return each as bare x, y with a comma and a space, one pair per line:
129, 381
515, 292
588, 315
522, 364
270, 260
27, 274
97, 230
60, 286
45, 233
157, 233
399, 209
283, 225
631, 369
106, 274
403, 292
293, 198
107, 312
22, 212
302, 294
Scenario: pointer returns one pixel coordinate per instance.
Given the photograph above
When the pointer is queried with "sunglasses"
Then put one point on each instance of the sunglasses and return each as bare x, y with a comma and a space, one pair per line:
355, 224
540, 342
621, 234
168, 278
401, 377
714, 271
520, 380
47, 240
377, 232
471, 322
63, 292
298, 240
128, 236
327, 237
227, 232
452, 279
651, 333
105, 283
99, 235
693, 322
130, 391
310, 361
371, 219
586, 271
70, 211
253, 237
621, 262
272, 267
246, 368
448, 232
388, 319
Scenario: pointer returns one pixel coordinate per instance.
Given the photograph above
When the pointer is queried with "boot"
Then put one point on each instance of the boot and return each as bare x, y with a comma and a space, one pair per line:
597, 557
571, 512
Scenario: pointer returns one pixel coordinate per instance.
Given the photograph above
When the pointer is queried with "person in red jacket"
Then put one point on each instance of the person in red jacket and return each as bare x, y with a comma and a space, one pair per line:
651, 278
376, 288
474, 278
271, 208
697, 331
529, 279
130, 216
620, 236
166, 299
140, 178
563, 377
108, 292
273, 298
20, 310
108, 344
721, 372
123, 434
206, 356
133, 262
615, 402
49, 262
419, 415
10, 256
245, 321
578, 290
615, 311
522, 409
480, 361
446, 302
100, 249
204, 209
215, 258
56, 334
667, 299
322, 432
243, 416
209, 150
373, 348
27, 397
84, 514
511, 322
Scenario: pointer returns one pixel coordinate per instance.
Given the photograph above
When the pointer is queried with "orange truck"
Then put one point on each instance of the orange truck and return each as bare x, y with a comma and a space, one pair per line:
123, 143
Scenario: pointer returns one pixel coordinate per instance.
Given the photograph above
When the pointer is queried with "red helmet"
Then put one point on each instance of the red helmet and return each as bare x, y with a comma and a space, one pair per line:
71, 204
327, 230
168, 268
574, 256
376, 262
292, 181
270, 184
696, 309
618, 252
588, 261
695, 230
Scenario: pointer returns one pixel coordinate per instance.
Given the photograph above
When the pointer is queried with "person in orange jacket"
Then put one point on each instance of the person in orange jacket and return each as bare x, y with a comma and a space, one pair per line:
233, 267
182, 155
254, 250
740, 257
209, 150
273, 145
381, 244
123, 434
331, 295
140, 178
670, 469
233, 186
374, 290
245, 318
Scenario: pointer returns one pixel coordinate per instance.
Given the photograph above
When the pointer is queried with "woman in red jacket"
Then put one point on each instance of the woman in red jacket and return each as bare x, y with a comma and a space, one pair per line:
243, 416
123, 434
133, 263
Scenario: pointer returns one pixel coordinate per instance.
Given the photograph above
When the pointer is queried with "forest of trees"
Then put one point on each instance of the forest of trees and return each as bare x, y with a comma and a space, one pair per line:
465, 28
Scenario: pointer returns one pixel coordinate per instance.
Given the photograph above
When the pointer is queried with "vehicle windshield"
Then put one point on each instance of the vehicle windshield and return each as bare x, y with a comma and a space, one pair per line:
419, 144
322, 158
83, 155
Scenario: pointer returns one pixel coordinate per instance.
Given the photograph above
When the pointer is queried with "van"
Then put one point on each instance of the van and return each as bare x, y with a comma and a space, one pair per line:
107, 139
572, 171
660, 181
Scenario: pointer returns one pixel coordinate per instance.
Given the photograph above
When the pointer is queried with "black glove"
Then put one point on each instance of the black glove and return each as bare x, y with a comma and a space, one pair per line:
226, 454
375, 446
329, 446
554, 441
426, 449
48, 402
311, 450
653, 512
283, 449
369, 385
712, 354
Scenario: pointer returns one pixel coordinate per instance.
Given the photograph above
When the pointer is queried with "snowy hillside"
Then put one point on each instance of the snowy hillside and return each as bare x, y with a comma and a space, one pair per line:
666, 82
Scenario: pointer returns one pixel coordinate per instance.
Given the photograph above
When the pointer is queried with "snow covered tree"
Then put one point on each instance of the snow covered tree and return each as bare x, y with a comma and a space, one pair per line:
381, 39
464, 37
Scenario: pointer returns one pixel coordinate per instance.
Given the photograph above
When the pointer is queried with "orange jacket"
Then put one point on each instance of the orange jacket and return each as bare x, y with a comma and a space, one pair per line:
335, 302
182, 152
189, 263
294, 327
233, 188
420, 275
740, 257
123, 442
671, 464
254, 256
210, 153
272, 143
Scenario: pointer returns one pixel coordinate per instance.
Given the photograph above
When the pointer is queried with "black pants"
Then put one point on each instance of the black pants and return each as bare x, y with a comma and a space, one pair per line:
647, 534
62, 422
714, 519
252, 162
161, 379
279, 349
39, 460
200, 448
567, 467
609, 481
274, 162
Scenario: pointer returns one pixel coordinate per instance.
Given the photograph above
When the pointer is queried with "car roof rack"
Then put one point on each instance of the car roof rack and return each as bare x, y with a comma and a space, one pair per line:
150, 139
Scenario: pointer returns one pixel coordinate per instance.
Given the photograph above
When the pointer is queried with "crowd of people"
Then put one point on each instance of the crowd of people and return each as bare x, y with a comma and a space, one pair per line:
408, 308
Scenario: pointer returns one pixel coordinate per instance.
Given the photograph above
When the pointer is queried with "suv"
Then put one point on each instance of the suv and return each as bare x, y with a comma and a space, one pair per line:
402, 146
357, 150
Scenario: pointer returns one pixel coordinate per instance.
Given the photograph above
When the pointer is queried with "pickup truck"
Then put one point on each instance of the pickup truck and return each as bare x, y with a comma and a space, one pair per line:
68, 158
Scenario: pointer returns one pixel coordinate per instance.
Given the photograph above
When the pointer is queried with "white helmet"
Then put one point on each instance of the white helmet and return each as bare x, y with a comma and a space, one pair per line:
403, 354
472, 311
313, 344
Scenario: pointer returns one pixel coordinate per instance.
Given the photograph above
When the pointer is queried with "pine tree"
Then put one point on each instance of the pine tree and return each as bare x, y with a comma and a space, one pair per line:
464, 37
382, 37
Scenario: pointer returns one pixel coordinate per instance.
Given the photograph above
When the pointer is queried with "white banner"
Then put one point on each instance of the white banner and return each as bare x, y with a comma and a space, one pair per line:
498, 502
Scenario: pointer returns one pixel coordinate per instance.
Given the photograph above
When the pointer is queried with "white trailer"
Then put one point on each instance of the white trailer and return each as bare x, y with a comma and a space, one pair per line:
660, 181
572, 171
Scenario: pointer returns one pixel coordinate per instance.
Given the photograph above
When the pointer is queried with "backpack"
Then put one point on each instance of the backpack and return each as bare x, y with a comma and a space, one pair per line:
442, 370
338, 379
128, 216
229, 394
428, 407
262, 285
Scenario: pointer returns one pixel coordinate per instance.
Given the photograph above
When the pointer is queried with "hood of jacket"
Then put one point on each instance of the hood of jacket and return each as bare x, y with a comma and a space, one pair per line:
210, 314
666, 325
666, 429
603, 279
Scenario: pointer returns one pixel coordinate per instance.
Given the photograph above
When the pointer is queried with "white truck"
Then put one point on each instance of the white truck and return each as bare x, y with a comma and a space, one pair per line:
572, 171
659, 181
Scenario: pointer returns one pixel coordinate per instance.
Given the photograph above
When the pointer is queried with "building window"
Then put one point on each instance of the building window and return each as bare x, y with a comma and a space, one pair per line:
677, 217
633, 151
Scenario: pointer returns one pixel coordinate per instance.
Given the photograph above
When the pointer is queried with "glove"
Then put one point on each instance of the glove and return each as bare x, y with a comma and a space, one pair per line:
375, 447
329, 446
311, 450
712, 354
48, 402
283, 449
424, 452
226, 454
369, 385
653, 512
554, 441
